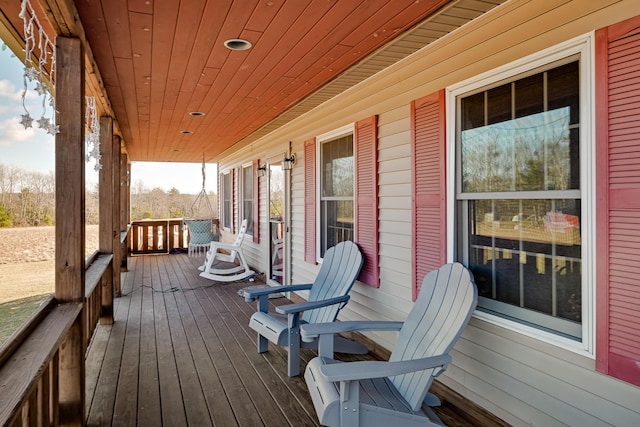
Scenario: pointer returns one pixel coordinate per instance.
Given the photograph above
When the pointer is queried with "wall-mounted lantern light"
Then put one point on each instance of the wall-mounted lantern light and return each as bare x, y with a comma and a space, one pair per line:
288, 162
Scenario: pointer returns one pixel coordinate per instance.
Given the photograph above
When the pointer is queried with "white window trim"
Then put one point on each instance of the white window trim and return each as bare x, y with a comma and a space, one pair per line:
584, 46
349, 129
224, 173
241, 186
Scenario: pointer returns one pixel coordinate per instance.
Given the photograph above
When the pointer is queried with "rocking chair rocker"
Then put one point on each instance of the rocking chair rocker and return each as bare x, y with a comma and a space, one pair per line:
228, 274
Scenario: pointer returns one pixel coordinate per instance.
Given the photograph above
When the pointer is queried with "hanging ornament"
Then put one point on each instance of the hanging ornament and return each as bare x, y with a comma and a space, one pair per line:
26, 120
40, 64
92, 132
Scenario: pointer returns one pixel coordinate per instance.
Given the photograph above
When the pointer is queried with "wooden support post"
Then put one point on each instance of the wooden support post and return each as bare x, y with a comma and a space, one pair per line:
116, 212
125, 219
127, 195
70, 232
109, 227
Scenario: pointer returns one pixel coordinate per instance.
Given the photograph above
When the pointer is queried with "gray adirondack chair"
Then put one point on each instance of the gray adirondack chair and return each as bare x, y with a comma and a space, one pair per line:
328, 294
372, 393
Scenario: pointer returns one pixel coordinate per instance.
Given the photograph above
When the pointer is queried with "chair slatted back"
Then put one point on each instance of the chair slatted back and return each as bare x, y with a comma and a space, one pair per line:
241, 233
444, 306
340, 268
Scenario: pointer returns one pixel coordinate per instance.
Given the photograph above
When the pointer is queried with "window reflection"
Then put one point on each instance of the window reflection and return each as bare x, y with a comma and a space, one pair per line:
527, 253
519, 207
336, 202
247, 197
276, 221
226, 201
526, 154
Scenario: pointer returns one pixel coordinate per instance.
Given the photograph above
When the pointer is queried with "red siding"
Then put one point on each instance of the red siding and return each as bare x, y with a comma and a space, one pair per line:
366, 212
256, 203
428, 175
310, 200
618, 196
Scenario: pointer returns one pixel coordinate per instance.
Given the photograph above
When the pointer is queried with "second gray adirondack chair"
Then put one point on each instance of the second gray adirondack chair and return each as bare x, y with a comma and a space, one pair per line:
328, 294
373, 393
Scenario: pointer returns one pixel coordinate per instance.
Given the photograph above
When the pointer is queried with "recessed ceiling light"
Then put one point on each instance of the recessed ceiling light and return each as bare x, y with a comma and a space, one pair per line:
186, 131
196, 113
237, 44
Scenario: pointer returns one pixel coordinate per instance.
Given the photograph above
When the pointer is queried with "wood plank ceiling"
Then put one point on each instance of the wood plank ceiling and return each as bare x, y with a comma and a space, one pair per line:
159, 60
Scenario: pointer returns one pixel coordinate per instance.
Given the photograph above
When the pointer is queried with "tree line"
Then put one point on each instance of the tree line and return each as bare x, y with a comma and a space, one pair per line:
157, 203
27, 199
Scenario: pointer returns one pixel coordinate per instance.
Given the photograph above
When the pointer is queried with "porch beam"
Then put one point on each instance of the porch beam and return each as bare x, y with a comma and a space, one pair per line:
108, 224
70, 222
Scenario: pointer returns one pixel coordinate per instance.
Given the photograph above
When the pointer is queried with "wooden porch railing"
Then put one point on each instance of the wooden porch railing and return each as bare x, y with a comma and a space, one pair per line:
29, 361
156, 236
159, 236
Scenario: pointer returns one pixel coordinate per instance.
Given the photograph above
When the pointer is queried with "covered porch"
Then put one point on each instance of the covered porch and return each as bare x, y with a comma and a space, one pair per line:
180, 352
158, 345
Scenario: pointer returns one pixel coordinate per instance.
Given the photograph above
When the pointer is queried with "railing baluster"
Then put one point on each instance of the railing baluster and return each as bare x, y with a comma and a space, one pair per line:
159, 236
44, 397
54, 406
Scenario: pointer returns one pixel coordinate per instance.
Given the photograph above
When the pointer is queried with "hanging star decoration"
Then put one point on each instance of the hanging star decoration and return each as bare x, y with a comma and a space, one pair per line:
53, 129
92, 133
41, 88
44, 123
26, 120
31, 73
38, 46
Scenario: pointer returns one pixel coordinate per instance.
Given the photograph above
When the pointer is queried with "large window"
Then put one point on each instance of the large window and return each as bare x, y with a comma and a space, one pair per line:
336, 191
519, 224
247, 197
226, 200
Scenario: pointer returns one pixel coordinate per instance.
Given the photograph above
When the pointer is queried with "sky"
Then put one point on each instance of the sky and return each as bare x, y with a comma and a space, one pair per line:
33, 149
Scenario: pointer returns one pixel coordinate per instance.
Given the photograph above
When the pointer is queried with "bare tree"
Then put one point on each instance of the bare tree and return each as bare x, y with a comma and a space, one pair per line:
28, 198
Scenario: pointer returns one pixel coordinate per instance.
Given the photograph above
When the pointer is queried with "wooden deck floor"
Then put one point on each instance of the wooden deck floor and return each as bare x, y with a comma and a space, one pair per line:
181, 353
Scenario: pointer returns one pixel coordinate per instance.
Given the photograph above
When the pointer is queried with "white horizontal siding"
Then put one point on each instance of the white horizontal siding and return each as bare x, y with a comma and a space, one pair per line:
393, 299
520, 379
558, 382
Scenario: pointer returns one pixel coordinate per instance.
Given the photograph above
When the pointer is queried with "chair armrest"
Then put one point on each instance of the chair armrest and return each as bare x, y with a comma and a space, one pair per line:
350, 371
309, 332
251, 294
310, 305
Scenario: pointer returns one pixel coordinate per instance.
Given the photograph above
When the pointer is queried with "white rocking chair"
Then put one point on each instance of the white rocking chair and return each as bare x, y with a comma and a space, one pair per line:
230, 274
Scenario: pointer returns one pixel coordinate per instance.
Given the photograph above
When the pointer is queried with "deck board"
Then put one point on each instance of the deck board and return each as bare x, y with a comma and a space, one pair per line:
149, 407
180, 352
237, 403
173, 412
125, 409
247, 364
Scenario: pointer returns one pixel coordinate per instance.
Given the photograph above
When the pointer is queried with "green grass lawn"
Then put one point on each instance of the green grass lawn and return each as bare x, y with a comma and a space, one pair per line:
14, 313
